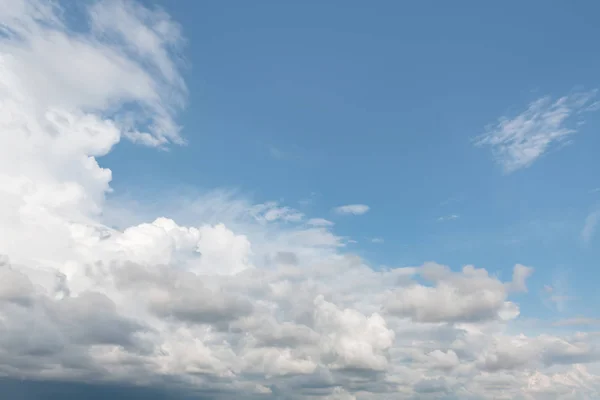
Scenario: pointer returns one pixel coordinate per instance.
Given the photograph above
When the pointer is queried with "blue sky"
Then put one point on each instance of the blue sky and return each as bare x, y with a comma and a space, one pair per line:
299, 200
345, 102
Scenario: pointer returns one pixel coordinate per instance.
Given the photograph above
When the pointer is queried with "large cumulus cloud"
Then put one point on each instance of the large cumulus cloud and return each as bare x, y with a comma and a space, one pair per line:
236, 300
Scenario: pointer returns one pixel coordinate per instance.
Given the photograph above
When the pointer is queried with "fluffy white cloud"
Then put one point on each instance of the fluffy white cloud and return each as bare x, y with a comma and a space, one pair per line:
222, 298
518, 141
456, 297
350, 339
353, 209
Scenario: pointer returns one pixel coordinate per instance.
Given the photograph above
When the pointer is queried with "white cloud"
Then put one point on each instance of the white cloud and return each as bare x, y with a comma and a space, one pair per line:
446, 218
520, 275
353, 209
223, 297
520, 140
319, 222
270, 212
351, 339
466, 297
128, 57
590, 225
377, 240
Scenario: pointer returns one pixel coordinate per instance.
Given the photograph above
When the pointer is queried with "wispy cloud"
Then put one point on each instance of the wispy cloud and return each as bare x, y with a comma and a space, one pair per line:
518, 141
352, 209
377, 240
580, 321
319, 222
289, 152
557, 294
590, 225
446, 218
308, 201
277, 153
271, 211
452, 200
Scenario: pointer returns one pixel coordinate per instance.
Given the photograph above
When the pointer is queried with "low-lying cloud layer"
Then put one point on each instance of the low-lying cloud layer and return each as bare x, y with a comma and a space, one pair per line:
233, 300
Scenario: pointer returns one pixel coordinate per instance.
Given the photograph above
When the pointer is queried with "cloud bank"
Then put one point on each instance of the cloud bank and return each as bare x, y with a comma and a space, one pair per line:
226, 299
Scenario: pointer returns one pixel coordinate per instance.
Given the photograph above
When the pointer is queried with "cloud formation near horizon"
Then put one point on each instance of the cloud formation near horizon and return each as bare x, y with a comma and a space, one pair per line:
227, 299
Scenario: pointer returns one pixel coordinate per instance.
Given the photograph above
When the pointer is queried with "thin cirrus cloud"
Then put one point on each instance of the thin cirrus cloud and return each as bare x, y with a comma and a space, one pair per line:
517, 142
590, 225
446, 218
234, 300
581, 321
352, 209
277, 153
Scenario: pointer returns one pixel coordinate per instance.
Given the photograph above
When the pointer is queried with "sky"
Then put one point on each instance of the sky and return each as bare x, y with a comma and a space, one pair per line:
299, 200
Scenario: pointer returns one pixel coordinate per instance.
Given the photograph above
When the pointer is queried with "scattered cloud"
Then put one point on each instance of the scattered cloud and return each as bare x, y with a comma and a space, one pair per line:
556, 295
452, 200
319, 222
271, 211
520, 275
377, 240
212, 295
580, 321
595, 106
589, 226
288, 152
277, 153
446, 218
517, 142
352, 209
308, 201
